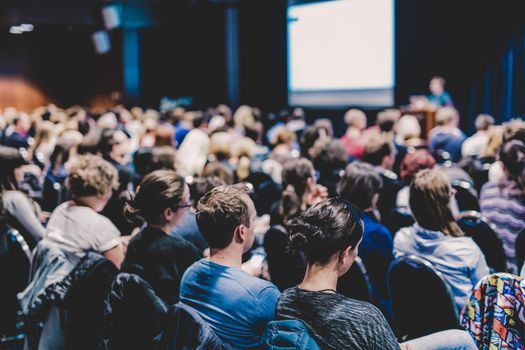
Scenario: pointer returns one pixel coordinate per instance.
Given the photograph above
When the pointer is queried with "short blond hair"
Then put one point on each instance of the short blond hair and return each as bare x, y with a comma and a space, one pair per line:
446, 115
90, 175
353, 115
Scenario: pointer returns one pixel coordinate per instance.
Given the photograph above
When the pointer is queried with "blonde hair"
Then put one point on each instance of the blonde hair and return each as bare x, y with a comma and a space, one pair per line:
352, 116
284, 136
242, 151
408, 128
446, 115
243, 116
91, 175
220, 145
494, 143
430, 194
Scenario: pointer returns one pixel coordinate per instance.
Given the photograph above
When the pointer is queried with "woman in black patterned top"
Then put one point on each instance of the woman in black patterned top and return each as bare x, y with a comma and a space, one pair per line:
328, 234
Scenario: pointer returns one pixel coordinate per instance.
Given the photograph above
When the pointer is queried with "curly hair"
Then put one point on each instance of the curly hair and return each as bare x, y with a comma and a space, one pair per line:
91, 175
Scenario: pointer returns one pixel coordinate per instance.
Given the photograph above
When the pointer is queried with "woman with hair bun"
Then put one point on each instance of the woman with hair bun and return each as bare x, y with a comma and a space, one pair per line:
160, 259
328, 234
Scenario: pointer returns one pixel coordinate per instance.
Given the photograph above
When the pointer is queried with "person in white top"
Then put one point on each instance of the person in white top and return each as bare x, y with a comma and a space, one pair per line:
76, 225
437, 237
474, 145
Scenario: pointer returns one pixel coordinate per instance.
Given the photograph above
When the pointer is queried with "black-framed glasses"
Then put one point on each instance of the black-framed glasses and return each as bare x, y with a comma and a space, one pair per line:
187, 205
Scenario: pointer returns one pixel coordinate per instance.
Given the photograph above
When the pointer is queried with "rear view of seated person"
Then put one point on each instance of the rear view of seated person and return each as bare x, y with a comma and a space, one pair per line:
474, 145
446, 137
381, 153
161, 202
437, 237
361, 185
328, 233
75, 225
235, 304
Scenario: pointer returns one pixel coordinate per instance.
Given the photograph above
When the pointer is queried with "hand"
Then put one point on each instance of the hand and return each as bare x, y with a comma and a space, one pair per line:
124, 240
319, 195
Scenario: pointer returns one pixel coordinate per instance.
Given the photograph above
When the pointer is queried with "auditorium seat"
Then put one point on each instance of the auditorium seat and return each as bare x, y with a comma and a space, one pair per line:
466, 196
481, 231
421, 299
355, 283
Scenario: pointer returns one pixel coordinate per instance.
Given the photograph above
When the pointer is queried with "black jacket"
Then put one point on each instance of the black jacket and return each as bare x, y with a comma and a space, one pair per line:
161, 260
135, 314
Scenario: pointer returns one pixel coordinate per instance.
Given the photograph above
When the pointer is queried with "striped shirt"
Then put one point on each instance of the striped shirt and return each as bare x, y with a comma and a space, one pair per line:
502, 204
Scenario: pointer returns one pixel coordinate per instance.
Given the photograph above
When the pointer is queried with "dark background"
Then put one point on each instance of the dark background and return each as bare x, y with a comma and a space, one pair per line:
477, 46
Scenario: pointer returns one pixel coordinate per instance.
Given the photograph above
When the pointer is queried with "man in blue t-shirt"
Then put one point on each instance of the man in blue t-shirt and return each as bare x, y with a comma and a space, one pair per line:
235, 304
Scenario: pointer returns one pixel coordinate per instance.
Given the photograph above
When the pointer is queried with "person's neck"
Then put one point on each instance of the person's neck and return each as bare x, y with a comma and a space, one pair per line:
166, 229
92, 202
226, 257
320, 278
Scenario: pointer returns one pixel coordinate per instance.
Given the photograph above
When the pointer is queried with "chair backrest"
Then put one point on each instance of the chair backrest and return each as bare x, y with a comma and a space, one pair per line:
14, 276
355, 283
85, 301
288, 334
136, 314
466, 196
520, 249
421, 299
482, 232
399, 218
185, 329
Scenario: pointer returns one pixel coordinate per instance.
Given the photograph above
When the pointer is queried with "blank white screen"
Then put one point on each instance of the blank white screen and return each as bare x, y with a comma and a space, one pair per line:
341, 45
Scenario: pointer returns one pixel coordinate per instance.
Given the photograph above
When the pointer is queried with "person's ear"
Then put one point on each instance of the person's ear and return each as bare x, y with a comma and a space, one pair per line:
167, 214
239, 234
343, 255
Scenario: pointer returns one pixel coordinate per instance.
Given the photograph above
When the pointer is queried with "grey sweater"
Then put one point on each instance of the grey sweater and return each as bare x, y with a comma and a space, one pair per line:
337, 322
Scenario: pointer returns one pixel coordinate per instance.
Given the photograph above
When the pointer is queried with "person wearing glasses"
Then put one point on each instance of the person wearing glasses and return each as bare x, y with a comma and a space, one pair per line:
160, 204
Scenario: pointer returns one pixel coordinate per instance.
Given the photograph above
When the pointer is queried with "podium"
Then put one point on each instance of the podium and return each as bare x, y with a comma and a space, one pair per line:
425, 114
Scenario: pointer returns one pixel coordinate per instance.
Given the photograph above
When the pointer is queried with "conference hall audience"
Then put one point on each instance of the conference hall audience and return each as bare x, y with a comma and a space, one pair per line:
223, 210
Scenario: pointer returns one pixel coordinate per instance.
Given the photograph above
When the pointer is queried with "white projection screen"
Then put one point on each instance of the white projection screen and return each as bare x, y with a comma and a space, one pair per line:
341, 53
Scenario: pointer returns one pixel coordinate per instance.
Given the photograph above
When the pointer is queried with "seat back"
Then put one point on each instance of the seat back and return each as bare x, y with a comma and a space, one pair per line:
399, 218
185, 329
137, 314
466, 196
421, 299
14, 276
288, 334
355, 283
85, 302
482, 232
520, 249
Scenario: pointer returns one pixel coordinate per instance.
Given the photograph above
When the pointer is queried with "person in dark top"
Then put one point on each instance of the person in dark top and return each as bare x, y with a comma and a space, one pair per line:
438, 96
329, 159
113, 145
361, 185
188, 228
18, 137
328, 234
380, 152
161, 201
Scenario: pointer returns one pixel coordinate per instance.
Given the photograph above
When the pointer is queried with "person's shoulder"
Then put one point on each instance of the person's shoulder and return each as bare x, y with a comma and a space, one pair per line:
195, 268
